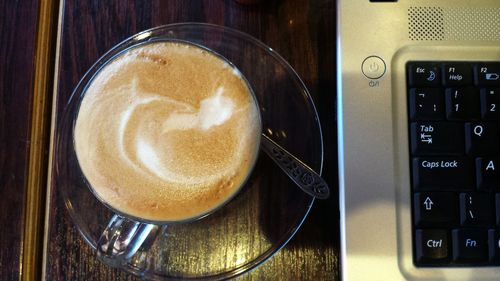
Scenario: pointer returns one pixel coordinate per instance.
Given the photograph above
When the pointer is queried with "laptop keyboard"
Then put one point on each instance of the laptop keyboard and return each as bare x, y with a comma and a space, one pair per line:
454, 128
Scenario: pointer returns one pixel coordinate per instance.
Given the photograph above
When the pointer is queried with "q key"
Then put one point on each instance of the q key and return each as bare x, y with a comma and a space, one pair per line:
482, 138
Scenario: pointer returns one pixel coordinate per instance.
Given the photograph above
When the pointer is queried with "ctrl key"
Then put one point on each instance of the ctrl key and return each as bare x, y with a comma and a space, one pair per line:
431, 246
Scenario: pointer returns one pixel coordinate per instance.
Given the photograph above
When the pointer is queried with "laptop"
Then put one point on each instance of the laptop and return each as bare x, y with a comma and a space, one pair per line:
419, 139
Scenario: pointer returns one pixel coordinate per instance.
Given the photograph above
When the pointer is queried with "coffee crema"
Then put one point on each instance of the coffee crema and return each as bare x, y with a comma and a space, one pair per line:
167, 131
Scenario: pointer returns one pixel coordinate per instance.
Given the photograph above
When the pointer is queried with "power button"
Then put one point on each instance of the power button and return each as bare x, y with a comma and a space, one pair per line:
373, 67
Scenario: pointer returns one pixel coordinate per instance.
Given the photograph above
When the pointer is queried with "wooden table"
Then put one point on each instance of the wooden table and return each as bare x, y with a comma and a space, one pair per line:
301, 31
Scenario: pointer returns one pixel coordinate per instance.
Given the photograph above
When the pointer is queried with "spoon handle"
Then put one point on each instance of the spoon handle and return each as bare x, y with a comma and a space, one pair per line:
303, 176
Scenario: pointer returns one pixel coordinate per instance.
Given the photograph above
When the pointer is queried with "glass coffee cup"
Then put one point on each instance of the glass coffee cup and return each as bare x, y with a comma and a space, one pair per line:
166, 132
267, 73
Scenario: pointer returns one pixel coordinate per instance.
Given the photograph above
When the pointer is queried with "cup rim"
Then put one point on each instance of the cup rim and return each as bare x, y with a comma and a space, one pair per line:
119, 50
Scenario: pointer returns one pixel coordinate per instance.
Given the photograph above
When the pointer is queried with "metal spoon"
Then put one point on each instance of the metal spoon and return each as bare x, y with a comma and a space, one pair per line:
301, 174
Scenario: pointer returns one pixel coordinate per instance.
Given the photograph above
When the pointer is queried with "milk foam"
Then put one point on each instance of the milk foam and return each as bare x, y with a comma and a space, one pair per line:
213, 111
166, 132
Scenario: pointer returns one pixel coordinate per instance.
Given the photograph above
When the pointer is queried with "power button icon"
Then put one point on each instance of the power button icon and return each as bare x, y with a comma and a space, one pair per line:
373, 67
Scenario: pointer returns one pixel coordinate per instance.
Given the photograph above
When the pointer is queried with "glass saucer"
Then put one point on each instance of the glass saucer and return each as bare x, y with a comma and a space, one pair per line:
266, 213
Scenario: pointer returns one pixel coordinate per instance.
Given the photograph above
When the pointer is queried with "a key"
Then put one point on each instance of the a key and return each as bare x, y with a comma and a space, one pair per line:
488, 173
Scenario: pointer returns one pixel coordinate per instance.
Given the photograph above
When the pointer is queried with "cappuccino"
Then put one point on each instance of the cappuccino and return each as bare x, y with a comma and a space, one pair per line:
167, 131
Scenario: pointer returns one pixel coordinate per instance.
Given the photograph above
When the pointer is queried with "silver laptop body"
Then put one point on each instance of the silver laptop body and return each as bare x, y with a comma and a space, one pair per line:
375, 40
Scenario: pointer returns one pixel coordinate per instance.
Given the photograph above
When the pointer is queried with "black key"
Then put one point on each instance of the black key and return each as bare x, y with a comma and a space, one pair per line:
435, 209
490, 102
442, 173
431, 246
488, 173
426, 104
494, 245
497, 208
457, 74
437, 138
469, 245
475, 208
462, 103
487, 74
482, 139
424, 75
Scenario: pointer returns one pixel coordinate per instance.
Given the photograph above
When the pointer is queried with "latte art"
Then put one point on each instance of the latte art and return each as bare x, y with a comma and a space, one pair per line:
148, 146
166, 132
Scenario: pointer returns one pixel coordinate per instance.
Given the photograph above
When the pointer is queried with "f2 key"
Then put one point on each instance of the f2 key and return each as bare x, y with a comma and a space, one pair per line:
487, 74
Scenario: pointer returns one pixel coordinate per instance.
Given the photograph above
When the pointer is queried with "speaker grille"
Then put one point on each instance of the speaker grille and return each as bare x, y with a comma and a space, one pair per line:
472, 24
426, 23
454, 23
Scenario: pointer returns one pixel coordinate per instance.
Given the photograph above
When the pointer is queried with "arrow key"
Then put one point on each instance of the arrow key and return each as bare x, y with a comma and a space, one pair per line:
435, 209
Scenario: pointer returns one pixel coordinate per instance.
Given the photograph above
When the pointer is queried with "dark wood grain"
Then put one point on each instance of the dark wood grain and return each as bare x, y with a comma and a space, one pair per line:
18, 25
301, 31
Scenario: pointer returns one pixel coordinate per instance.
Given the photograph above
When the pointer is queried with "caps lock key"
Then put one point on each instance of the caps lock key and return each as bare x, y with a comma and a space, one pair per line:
442, 173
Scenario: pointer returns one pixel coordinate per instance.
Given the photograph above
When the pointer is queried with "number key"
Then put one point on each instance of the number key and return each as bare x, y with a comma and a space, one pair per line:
490, 102
462, 103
